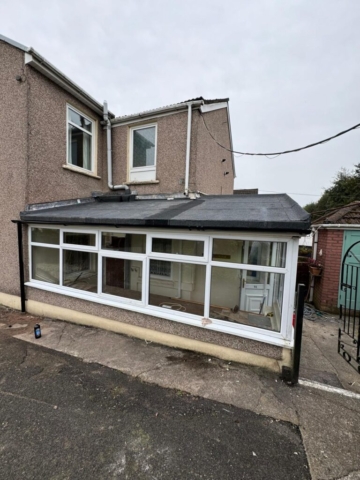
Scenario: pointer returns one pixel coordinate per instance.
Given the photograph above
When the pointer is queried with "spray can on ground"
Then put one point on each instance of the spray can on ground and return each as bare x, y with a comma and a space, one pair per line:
37, 331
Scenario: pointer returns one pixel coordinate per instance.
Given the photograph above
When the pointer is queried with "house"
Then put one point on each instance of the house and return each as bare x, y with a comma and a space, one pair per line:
129, 223
334, 234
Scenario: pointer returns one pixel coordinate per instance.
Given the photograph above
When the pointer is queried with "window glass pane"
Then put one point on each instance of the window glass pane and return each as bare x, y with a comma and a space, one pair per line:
78, 238
123, 242
144, 147
45, 264
45, 235
178, 247
161, 268
122, 278
183, 292
79, 120
80, 270
79, 148
228, 250
249, 252
237, 296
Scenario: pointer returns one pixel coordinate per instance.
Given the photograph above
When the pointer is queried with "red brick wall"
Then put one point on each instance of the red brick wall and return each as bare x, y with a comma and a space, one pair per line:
326, 288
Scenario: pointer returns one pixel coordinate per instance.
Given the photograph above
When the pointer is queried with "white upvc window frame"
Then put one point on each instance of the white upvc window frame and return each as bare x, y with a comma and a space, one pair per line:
282, 338
107, 253
175, 257
146, 173
74, 246
93, 135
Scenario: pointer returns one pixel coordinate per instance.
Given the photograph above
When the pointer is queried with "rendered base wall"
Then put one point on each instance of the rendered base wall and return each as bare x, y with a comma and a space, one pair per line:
153, 329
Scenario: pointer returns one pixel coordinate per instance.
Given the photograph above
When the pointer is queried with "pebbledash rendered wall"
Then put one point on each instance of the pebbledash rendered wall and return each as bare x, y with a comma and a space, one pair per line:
33, 152
48, 180
13, 161
326, 287
206, 166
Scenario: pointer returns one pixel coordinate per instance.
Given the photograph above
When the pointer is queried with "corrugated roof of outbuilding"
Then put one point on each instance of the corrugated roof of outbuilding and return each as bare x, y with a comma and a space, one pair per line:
345, 215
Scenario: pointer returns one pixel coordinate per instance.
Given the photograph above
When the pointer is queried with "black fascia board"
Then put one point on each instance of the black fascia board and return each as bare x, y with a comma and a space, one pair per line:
271, 227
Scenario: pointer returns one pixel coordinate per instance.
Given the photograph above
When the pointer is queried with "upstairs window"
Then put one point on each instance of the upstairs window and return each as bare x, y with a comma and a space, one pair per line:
80, 140
143, 153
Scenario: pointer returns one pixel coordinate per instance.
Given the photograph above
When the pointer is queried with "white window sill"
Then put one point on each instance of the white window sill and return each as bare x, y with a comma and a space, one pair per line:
144, 182
72, 168
251, 333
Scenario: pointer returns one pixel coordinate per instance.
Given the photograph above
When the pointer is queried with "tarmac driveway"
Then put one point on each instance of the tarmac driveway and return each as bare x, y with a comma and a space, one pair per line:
61, 418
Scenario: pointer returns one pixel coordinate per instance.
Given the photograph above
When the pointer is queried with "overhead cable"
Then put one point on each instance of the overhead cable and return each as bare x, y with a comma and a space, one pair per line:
277, 154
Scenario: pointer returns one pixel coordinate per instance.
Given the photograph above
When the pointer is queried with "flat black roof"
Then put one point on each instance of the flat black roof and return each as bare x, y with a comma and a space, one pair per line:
223, 212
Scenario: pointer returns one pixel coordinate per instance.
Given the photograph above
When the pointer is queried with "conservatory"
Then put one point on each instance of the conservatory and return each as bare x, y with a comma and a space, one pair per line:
222, 264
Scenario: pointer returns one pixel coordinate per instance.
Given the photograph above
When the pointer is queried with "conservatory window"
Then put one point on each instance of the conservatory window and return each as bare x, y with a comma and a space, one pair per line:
234, 285
247, 297
80, 270
122, 277
186, 291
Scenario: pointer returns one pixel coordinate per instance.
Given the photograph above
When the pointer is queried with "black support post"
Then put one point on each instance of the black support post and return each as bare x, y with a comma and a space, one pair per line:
298, 333
21, 266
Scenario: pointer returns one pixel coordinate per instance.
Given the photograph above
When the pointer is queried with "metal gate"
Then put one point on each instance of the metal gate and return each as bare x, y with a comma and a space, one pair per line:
349, 331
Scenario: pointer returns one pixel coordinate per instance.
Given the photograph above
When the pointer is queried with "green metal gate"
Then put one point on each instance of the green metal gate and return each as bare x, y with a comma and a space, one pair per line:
353, 258
349, 301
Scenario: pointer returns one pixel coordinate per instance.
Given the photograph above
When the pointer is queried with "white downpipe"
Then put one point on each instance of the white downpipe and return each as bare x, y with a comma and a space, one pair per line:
188, 144
316, 239
314, 254
109, 152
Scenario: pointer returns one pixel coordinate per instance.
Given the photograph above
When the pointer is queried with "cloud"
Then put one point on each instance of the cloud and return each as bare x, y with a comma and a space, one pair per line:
289, 68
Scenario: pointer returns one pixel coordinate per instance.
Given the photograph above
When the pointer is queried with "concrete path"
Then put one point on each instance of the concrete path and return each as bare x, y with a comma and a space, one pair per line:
63, 419
329, 422
320, 361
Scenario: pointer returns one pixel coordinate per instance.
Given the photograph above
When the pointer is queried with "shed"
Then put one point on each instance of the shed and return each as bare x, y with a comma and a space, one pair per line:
333, 235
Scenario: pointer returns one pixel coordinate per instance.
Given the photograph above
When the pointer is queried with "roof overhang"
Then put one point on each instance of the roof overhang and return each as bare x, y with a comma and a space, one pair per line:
265, 213
39, 63
156, 112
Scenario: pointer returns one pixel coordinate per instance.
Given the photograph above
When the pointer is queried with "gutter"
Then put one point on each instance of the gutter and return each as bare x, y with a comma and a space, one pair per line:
39, 63
193, 225
337, 226
153, 113
109, 151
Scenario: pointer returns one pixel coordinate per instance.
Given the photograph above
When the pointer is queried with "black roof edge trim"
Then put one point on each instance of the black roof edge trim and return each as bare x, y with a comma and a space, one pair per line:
190, 228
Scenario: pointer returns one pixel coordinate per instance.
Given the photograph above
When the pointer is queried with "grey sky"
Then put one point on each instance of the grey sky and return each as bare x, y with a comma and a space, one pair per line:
290, 68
